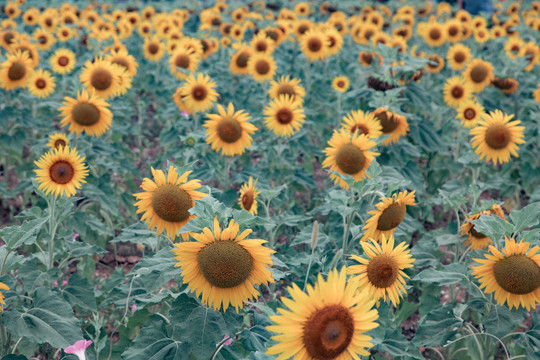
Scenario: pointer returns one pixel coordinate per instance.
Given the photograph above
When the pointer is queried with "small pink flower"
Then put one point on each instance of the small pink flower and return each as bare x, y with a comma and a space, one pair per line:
55, 283
229, 341
185, 114
78, 348
64, 283
133, 307
75, 237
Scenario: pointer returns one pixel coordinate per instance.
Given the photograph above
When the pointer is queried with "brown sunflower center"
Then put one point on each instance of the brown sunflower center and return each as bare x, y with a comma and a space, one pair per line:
367, 57
171, 203
515, 48
350, 159
435, 34
225, 264
517, 274
17, 71
85, 114
242, 60
101, 79
361, 128
392, 216
42, 39
302, 29
8, 37
382, 271
387, 121
459, 57
497, 136
476, 234
457, 92
328, 332
63, 60
59, 143
331, 41
272, 34
153, 48
122, 62
314, 44
247, 200
229, 130
286, 89
199, 92
262, 67
479, 73
453, 30
368, 34
41, 83
182, 60
340, 84
284, 116
61, 172
469, 114
261, 46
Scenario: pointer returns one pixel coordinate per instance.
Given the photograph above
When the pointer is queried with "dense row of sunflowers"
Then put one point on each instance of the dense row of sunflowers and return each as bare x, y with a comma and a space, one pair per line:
224, 266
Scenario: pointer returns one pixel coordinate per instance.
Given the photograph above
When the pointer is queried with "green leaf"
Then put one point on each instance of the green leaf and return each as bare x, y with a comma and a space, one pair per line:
14, 357
156, 269
49, 320
501, 321
437, 327
396, 345
15, 236
80, 291
255, 338
405, 310
13, 259
492, 226
525, 218
449, 274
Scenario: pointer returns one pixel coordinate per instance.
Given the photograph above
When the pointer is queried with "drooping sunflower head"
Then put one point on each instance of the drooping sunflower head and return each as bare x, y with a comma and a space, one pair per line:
470, 113
166, 200
287, 86
456, 91
513, 274
61, 171
506, 85
229, 131
88, 113
496, 137
319, 326
284, 115
248, 196
392, 124
340, 83
479, 74
383, 272
261, 66
57, 140
389, 214
476, 239
367, 58
16, 70
458, 56
224, 265
41, 83
348, 154
62, 61
198, 92
363, 123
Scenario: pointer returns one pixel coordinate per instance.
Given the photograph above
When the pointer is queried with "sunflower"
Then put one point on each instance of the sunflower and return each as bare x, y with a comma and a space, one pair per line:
340, 83
261, 66
389, 214
125, 60
2, 287
434, 34
436, 63
88, 112
513, 274
61, 171
239, 61
26, 47
102, 77
481, 35
224, 266
531, 52
41, 83
513, 46
392, 124
229, 131
57, 140
183, 62
476, 239
15, 71
453, 30
363, 123
536, 94
262, 44
198, 92
327, 322
479, 74
456, 90
367, 58
287, 86
506, 85
496, 137
248, 195
153, 48
335, 41
458, 56
347, 154
166, 201
383, 273
284, 115
62, 61
470, 113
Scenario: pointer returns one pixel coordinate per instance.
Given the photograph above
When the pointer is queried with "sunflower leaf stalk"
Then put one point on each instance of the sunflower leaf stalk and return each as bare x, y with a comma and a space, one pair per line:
52, 229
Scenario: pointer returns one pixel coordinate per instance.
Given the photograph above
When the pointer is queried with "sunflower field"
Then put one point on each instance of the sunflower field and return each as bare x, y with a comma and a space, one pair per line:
248, 179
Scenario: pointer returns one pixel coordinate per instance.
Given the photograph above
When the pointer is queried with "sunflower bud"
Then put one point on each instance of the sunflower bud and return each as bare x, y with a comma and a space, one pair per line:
314, 235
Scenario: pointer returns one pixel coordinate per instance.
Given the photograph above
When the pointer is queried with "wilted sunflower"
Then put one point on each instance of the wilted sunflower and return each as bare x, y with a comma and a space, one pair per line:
125, 60
363, 123
392, 124
61, 171
166, 201
513, 274
15, 71
284, 115
57, 140
458, 56
261, 66
347, 154
102, 77
340, 83
2, 287
62, 61
229, 131
198, 92
367, 58
456, 91
476, 239
327, 322
479, 74
153, 48
506, 85
41, 83
248, 195
88, 112
470, 112
287, 86
383, 273
496, 137
224, 266
389, 214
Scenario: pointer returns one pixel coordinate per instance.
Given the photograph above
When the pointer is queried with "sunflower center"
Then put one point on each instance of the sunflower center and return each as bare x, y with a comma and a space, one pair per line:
515, 48
17, 71
314, 44
41, 83
367, 57
101, 79
153, 48
350, 159
85, 114
225, 264
453, 30
362, 129
284, 116
368, 34
382, 271
302, 29
479, 73
199, 92
262, 67
121, 62
63, 61
286, 89
261, 46
457, 92
459, 57
171, 203
392, 216
8, 38
242, 60
328, 332
61, 172
182, 61
247, 200
517, 274
435, 34
388, 123
476, 234
497, 136
469, 114
229, 130
340, 84
59, 143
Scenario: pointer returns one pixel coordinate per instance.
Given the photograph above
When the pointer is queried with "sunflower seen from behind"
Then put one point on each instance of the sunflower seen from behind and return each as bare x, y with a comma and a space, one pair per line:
284, 115
198, 92
363, 123
382, 273
88, 113
248, 196
16, 70
476, 239
61, 171
513, 274
328, 321
224, 266
41, 83
166, 200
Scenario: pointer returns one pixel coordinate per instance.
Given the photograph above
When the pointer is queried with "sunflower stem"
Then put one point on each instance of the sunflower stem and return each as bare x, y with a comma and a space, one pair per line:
52, 229
4, 262
309, 268
3, 336
6, 166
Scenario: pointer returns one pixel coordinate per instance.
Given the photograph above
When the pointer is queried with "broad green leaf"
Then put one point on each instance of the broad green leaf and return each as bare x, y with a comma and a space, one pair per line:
80, 291
449, 274
15, 236
437, 327
157, 269
12, 261
526, 217
492, 226
397, 345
